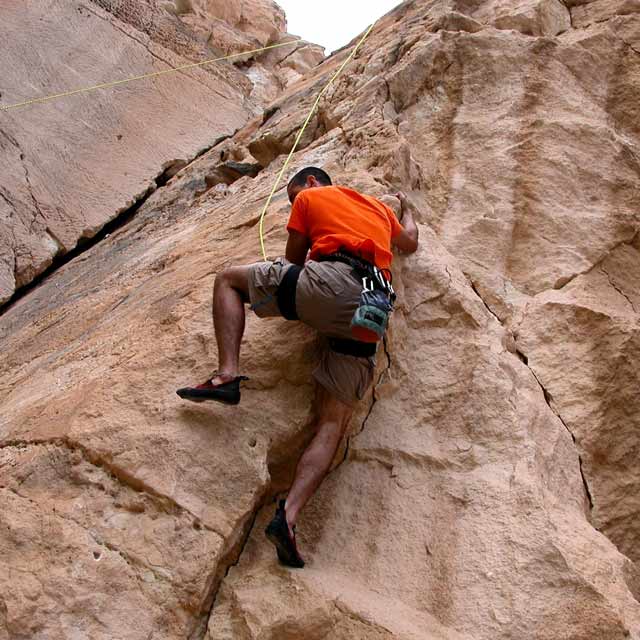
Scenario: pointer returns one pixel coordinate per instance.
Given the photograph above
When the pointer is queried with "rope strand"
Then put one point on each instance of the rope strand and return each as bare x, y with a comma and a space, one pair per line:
301, 133
155, 74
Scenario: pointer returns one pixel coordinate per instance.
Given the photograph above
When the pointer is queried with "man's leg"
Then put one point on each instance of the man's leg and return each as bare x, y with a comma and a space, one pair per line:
230, 294
333, 418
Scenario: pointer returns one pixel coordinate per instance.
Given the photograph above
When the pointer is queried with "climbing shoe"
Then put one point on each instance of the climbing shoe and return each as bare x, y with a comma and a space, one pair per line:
278, 533
227, 393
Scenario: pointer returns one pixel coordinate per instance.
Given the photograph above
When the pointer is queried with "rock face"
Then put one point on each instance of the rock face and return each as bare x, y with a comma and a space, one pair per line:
73, 165
202, 29
489, 487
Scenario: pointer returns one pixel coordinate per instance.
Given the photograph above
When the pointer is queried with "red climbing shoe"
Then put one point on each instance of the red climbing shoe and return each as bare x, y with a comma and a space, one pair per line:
278, 533
227, 393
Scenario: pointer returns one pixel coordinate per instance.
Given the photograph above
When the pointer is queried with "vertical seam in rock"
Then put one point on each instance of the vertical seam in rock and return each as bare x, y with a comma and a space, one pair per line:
546, 395
201, 632
489, 309
373, 402
547, 398
27, 177
4, 196
622, 293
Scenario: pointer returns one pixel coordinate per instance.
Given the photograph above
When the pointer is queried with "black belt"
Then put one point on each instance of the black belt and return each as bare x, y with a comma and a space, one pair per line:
286, 295
360, 265
353, 348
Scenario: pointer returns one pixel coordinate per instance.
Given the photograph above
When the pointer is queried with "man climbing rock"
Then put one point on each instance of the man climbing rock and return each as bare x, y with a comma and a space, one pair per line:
335, 278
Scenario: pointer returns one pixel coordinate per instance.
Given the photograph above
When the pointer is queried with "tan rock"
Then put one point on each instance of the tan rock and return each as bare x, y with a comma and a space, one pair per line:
601, 10
75, 532
263, 20
458, 509
531, 17
205, 29
591, 376
76, 164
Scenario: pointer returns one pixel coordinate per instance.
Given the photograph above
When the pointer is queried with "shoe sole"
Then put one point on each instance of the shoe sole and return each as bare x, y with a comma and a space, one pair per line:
283, 554
196, 397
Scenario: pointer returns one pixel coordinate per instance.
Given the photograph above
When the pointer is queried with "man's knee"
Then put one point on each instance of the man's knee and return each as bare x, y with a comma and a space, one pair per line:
333, 416
234, 277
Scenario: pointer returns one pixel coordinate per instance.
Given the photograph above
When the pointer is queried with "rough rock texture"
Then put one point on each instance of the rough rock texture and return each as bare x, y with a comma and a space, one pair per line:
488, 489
202, 29
75, 164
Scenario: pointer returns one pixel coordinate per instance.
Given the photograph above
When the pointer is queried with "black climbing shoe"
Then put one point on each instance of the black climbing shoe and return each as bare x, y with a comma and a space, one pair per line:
227, 393
278, 533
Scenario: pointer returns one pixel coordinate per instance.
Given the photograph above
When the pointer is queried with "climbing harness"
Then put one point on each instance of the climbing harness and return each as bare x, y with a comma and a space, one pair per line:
286, 294
353, 348
371, 318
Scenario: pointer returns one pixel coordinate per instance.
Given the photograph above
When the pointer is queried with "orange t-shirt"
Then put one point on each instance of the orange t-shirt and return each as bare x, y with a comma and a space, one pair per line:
335, 218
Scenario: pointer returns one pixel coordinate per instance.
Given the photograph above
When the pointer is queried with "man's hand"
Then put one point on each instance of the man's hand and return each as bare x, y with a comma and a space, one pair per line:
407, 241
401, 195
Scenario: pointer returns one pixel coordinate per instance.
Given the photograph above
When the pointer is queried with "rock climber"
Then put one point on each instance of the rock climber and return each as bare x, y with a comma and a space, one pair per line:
335, 278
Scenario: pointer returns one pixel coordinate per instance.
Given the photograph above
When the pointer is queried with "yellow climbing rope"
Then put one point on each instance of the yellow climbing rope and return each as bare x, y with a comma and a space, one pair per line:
155, 74
301, 133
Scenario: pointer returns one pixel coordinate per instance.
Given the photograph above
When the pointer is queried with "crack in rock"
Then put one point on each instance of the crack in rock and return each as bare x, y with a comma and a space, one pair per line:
620, 291
563, 282
123, 219
484, 302
232, 559
548, 399
547, 396
374, 401
27, 176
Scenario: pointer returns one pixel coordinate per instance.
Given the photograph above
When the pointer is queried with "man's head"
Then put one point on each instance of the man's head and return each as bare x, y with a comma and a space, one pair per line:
307, 179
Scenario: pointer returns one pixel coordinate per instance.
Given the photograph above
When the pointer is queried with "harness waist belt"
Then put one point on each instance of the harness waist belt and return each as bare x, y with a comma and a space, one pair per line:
362, 266
353, 348
286, 295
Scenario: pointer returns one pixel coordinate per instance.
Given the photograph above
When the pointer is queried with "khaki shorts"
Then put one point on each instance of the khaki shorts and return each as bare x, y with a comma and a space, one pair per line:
327, 296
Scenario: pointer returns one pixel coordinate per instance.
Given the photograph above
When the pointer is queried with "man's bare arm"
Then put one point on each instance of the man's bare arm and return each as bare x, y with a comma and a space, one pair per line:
297, 248
407, 240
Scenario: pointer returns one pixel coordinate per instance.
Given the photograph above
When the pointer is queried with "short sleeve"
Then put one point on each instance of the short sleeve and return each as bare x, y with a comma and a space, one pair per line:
396, 227
298, 220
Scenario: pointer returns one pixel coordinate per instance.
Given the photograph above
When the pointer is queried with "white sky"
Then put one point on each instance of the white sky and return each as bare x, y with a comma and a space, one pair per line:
333, 23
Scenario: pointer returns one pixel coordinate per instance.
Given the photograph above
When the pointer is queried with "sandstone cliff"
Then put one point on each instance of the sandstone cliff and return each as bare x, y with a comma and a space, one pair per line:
74, 165
489, 487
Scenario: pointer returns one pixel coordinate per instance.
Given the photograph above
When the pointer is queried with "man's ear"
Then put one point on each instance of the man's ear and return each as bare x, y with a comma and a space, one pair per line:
312, 182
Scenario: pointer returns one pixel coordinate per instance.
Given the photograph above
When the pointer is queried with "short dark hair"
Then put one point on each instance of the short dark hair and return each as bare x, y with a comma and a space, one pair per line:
300, 179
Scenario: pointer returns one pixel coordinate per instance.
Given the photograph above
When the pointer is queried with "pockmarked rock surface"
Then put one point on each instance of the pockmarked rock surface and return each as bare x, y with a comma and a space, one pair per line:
488, 488
75, 164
